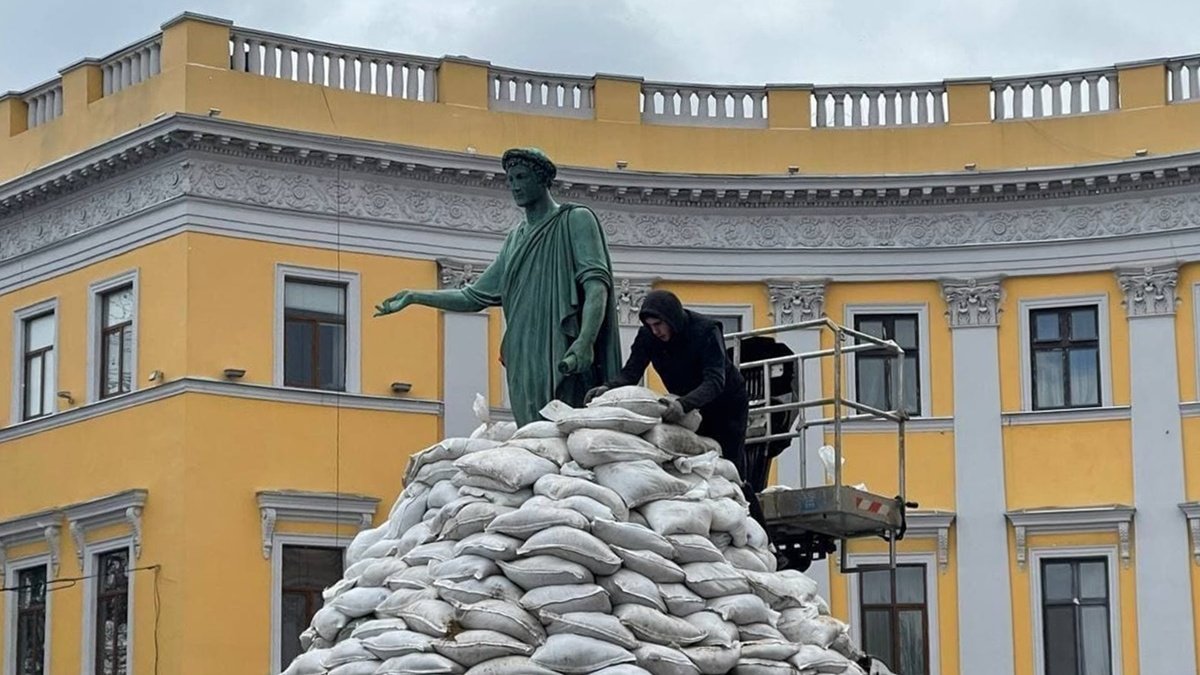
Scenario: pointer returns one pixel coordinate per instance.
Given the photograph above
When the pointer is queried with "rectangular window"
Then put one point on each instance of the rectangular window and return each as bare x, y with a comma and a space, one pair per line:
307, 571
875, 373
1075, 616
112, 613
314, 341
31, 621
1064, 347
37, 366
895, 618
116, 341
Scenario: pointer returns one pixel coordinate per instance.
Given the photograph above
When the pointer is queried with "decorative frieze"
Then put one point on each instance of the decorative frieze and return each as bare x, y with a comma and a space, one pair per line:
1149, 291
458, 273
972, 303
630, 294
796, 300
1115, 517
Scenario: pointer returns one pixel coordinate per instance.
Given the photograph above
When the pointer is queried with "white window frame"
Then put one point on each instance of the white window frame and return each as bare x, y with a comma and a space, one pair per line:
20, 316
1109, 553
96, 293
350, 280
1025, 306
277, 544
922, 312
11, 569
91, 553
930, 561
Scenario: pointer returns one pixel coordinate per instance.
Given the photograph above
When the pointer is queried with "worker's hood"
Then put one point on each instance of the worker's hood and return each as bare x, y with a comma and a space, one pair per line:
663, 305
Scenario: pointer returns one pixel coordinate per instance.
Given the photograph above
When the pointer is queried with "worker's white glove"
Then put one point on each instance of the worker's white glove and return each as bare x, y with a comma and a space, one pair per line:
674, 412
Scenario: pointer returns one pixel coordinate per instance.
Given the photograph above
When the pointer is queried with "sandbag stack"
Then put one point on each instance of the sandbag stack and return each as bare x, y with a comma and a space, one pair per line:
597, 541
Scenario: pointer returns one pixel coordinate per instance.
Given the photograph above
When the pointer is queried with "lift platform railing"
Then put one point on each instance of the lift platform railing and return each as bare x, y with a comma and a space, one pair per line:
830, 511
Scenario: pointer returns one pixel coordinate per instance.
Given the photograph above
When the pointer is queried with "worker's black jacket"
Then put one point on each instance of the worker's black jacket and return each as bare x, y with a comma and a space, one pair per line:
692, 364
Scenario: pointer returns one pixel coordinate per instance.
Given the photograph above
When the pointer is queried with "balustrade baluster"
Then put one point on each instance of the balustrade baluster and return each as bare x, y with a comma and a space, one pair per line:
1093, 82
155, 58
939, 111
349, 76
303, 72
1193, 80
58, 102
255, 57
1076, 103
906, 113
839, 108
239, 54
414, 81
271, 60
1176, 71
1056, 98
1037, 91
381, 77
286, 70
106, 73
1114, 100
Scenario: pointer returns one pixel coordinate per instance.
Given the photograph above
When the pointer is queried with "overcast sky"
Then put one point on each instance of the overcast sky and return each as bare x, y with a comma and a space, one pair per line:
714, 41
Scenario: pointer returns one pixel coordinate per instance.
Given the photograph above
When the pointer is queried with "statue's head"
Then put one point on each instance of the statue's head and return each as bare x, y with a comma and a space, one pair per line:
528, 173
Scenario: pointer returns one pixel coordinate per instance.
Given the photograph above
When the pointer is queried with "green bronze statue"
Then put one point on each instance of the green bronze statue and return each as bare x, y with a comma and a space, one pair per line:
553, 280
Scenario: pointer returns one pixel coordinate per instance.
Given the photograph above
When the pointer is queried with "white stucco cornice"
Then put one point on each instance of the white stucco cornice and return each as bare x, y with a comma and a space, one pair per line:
31, 527
125, 506
935, 524
1049, 520
339, 508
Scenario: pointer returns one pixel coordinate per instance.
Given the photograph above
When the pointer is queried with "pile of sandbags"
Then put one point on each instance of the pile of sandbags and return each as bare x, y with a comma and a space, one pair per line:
597, 541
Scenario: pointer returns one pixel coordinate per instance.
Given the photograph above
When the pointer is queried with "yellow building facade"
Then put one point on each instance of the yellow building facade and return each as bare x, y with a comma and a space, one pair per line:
199, 407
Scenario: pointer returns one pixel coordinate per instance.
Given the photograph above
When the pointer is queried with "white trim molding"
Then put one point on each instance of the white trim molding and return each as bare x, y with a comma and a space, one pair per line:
45, 525
972, 303
794, 300
89, 552
1189, 409
1112, 517
1149, 291
931, 599
924, 385
96, 291
20, 316
125, 506
275, 555
350, 280
1109, 553
1191, 511
1025, 306
311, 507
9, 571
934, 524
1066, 415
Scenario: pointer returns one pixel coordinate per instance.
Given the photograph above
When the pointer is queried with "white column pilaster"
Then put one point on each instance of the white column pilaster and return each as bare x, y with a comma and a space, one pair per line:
1160, 529
792, 301
984, 588
464, 352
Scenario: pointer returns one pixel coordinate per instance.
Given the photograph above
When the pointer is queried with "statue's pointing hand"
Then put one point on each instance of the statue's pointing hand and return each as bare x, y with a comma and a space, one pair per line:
394, 304
577, 359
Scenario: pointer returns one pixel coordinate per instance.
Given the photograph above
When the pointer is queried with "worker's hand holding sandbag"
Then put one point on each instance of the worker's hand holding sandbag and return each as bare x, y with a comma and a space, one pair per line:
593, 393
674, 412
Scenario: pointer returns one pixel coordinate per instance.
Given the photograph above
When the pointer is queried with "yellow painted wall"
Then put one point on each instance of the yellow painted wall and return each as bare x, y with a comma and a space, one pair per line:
1186, 345
872, 458
1191, 456
1068, 464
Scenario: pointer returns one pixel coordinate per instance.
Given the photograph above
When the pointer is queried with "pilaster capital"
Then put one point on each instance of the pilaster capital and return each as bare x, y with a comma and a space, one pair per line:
795, 300
630, 293
972, 303
458, 273
1149, 291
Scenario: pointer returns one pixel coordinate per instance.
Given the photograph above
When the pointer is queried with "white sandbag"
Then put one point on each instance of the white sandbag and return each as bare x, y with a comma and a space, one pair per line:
510, 665
355, 571
662, 660
514, 467
358, 602
472, 519
431, 617
308, 663
670, 516
381, 549
470, 590
632, 536
363, 541
401, 598
512, 499
412, 578
462, 479
395, 643
341, 586
713, 579
701, 466
420, 664
526, 522
464, 567
441, 494
538, 429
654, 626
346, 651
820, 631
378, 572
591, 447
623, 669
726, 469
589, 508
472, 647
692, 548
347, 631
727, 514
718, 631
747, 666
573, 470
553, 449
357, 668
744, 559
678, 441
542, 570
567, 598
432, 552
640, 400
650, 564
782, 590
771, 650
563, 487
504, 617
613, 419
712, 659
415, 536
375, 627
449, 449
756, 632
743, 608
723, 540
328, 621
720, 487
756, 536
570, 654
493, 546
575, 545
599, 625
437, 472
681, 600
628, 586
811, 658
639, 481
408, 512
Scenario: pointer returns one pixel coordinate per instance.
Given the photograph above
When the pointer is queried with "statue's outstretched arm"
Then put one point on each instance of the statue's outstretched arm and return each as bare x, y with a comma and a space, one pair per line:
450, 300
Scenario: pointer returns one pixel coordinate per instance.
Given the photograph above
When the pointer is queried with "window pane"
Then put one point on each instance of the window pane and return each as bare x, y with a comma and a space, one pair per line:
112, 613
1056, 581
912, 642
1060, 641
332, 357
324, 298
298, 354
31, 621
294, 620
1045, 326
1083, 323
876, 587
1085, 380
910, 584
39, 332
872, 385
118, 307
905, 333
127, 359
877, 635
34, 394
1093, 580
311, 567
32, 587
112, 363
1093, 628
871, 326
47, 386
1048, 379
912, 397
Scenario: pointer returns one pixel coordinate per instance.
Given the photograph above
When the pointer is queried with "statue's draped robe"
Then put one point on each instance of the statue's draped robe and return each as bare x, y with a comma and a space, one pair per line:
538, 280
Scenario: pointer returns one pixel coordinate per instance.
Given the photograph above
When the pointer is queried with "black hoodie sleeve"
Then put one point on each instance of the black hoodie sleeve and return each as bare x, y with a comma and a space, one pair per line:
635, 366
712, 355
